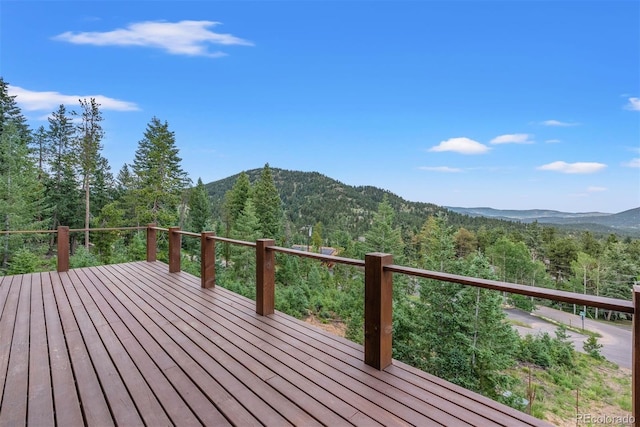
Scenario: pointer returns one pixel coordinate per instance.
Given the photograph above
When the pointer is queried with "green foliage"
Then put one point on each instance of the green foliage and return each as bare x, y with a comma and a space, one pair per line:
246, 228
160, 179
293, 300
436, 247
23, 261
62, 184
268, 205
200, 218
83, 258
384, 236
547, 352
20, 191
592, 347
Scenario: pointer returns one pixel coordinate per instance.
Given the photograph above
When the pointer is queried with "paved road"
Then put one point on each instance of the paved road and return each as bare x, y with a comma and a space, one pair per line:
616, 340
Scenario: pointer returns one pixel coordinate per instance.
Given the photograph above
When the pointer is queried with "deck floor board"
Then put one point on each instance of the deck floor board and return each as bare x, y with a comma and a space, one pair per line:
132, 344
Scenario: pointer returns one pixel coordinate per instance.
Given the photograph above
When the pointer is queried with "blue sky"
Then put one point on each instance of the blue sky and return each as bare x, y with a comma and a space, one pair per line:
508, 104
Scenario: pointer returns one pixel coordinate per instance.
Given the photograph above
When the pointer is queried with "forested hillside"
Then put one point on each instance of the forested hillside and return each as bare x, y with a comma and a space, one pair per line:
310, 197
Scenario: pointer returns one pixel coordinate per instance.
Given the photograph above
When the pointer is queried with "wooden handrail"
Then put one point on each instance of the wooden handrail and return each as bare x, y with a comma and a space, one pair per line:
320, 257
73, 230
187, 233
234, 241
531, 291
27, 231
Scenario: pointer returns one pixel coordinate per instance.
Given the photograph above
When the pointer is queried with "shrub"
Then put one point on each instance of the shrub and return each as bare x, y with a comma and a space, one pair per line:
592, 347
23, 262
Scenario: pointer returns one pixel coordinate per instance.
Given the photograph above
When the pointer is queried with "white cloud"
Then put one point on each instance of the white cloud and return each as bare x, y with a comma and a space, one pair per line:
48, 100
553, 141
634, 163
445, 169
461, 145
634, 104
596, 189
573, 168
514, 138
190, 38
558, 123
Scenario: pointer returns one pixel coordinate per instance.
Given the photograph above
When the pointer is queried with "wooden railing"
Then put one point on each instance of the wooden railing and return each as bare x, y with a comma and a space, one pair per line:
378, 278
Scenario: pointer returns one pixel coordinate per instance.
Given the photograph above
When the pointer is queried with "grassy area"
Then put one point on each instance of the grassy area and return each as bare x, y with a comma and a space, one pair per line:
594, 387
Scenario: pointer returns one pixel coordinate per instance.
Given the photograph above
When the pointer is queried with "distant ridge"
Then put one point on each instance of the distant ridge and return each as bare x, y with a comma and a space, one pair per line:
625, 221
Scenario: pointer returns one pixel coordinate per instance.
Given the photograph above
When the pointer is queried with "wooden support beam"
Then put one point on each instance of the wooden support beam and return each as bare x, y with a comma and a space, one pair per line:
265, 277
378, 299
635, 358
175, 242
63, 248
151, 243
207, 260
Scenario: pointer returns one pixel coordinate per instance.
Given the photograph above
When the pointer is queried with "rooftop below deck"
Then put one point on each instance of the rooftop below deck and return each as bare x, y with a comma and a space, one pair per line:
133, 344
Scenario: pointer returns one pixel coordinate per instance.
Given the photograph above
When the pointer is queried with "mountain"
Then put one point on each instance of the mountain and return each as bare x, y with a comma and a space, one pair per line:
310, 197
627, 222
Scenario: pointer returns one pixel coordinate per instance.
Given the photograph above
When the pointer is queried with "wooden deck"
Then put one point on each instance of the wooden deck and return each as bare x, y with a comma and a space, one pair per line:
131, 344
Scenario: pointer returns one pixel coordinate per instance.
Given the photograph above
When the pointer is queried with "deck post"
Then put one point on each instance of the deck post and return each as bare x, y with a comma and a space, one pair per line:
635, 355
151, 243
63, 248
378, 298
265, 277
175, 242
207, 260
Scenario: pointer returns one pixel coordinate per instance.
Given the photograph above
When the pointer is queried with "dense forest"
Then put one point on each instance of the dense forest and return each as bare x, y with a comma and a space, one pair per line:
56, 175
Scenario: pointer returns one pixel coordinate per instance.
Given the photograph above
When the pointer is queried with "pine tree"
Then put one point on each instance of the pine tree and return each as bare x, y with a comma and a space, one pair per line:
268, 205
20, 191
200, 218
62, 188
10, 113
159, 177
41, 152
316, 236
437, 245
88, 146
383, 236
478, 344
247, 228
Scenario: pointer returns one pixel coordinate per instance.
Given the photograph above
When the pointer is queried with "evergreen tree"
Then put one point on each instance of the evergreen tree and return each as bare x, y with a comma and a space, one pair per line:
437, 245
466, 242
40, 152
561, 253
619, 274
62, 188
383, 236
247, 228
268, 205
200, 218
234, 202
316, 236
159, 177
10, 114
103, 186
124, 193
478, 345
20, 191
88, 145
